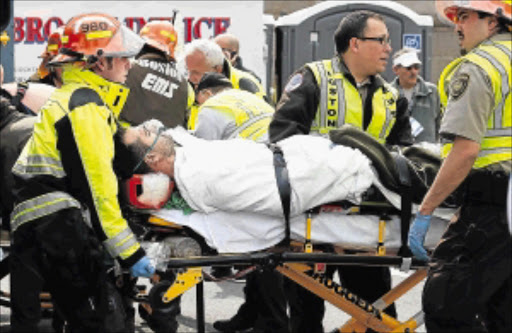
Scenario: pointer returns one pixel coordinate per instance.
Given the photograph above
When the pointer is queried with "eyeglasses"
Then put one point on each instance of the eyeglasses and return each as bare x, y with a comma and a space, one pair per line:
160, 131
382, 40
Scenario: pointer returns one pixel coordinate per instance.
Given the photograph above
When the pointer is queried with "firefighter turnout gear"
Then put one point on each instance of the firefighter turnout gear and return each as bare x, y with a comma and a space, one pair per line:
61, 168
341, 103
494, 58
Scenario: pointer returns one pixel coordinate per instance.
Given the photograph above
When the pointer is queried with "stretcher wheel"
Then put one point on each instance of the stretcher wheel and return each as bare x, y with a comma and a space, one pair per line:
155, 296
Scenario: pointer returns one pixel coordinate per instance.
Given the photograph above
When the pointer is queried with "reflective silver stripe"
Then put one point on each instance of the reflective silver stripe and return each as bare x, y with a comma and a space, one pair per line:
41, 206
341, 92
498, 132
111, 242
248, 123
505, 88
39, 164
116, 251
45, 170
323, 95
502, 47
38, 159
486, 152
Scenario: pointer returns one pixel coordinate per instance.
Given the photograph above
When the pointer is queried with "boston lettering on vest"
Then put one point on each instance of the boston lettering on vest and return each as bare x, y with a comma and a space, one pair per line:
332, 111
159, 85
163, 68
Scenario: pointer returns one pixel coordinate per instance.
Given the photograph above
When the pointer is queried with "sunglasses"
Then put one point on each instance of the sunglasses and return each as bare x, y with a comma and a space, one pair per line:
232, 54
416, 67
158, 134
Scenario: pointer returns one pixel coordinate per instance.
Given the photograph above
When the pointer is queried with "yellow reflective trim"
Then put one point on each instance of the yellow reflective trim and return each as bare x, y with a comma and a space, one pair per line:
64, 39
484, 161
52, 47
507, 112
353, 105
98, 34
500, 142
192, 118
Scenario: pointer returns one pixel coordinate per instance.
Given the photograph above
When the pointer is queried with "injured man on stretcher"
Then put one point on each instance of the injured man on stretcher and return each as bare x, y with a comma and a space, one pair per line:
232, 198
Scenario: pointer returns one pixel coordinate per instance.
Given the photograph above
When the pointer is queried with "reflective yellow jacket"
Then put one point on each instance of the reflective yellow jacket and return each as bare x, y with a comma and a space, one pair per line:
68, 161
340, 102
250, 114
494, 57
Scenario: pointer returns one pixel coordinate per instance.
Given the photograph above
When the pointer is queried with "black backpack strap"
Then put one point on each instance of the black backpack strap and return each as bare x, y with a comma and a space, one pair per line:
283, 186
406, 202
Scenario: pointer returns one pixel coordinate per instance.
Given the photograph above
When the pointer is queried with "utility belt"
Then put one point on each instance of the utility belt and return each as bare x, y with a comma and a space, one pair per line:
486, 187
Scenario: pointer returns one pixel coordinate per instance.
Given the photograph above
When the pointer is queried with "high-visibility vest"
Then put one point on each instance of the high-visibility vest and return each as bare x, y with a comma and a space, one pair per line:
251, 114
236, 75
494, 57
340, 102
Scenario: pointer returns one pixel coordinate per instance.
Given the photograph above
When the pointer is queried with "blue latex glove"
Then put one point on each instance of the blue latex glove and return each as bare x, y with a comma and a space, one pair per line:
417, 234
142, 268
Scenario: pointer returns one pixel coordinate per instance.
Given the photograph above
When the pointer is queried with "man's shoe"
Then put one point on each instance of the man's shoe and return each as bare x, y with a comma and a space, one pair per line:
237, 323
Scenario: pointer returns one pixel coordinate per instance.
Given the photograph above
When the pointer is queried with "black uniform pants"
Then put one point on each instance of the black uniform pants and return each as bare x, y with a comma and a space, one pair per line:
265, 302
469, 286
307, 310
59, 249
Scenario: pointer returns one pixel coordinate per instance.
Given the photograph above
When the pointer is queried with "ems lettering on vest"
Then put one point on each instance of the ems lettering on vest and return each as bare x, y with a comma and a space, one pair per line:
159, 85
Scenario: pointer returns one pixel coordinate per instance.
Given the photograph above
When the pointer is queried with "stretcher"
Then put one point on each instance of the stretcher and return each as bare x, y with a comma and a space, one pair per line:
379, 247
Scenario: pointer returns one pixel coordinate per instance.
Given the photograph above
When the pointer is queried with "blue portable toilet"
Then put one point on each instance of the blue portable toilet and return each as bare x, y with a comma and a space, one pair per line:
307, 35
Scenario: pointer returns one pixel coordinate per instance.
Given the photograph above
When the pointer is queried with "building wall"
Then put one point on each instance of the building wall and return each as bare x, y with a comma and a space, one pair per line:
444, 41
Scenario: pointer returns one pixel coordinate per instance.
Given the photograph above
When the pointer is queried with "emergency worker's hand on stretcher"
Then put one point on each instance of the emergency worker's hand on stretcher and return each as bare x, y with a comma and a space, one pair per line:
417, 234
142, 268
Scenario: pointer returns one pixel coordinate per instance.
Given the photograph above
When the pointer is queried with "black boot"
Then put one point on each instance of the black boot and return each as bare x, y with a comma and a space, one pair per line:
237, 323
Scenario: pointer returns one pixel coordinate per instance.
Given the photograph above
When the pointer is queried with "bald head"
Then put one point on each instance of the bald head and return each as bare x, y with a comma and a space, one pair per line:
228, 41
229, 45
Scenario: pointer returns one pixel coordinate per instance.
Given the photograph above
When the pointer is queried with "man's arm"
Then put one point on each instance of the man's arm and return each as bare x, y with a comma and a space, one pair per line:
297, 107
454, 170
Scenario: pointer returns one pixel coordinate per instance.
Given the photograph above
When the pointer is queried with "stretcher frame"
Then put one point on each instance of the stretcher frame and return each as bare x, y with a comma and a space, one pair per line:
304, 269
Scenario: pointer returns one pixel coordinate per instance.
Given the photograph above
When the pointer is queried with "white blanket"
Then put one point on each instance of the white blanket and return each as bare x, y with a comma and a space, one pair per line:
248, 232
238, 175
240, 209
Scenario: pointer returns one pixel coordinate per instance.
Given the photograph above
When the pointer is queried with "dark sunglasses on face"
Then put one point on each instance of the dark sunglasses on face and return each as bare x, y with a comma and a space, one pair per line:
232, 54
416, 67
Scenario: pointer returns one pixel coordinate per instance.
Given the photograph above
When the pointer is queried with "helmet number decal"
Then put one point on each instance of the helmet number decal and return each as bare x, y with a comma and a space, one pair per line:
93, 26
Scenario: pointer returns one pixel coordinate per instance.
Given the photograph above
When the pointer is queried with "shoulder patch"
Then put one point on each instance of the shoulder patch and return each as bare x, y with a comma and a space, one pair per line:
83, 96
459, 85
294, 82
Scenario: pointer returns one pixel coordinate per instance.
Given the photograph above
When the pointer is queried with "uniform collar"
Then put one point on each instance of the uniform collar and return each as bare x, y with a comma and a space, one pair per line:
227, 69
112, 93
